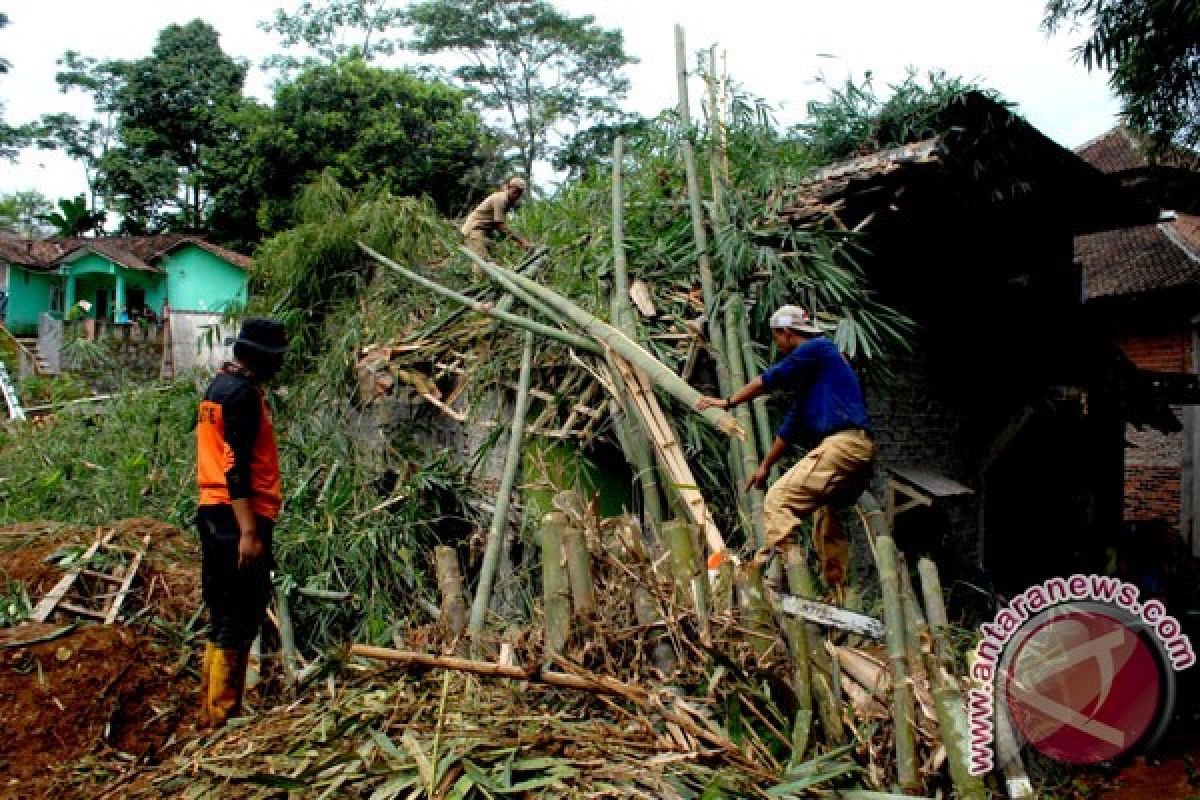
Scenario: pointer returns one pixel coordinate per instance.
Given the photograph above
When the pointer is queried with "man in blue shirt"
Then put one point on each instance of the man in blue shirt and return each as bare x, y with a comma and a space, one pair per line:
827, 415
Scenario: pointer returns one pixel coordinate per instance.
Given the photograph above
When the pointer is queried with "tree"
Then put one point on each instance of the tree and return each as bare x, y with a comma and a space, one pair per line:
175, 110
536, 66
325, 29
1152, 48
73, 218
362, 125
20, 213
85, 140
12, 139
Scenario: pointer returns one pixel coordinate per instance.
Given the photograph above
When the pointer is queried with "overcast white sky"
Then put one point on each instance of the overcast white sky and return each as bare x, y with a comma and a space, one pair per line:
775, 49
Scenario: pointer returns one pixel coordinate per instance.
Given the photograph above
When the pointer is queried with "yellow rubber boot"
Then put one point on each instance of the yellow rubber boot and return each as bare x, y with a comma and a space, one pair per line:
206, 664
227, 681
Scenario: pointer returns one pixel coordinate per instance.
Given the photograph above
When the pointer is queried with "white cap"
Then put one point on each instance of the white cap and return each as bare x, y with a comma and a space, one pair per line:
794, 318
517, 182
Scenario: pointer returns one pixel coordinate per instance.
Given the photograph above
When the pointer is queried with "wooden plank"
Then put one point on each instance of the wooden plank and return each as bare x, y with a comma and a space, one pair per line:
930, 482
114, 608
46, 607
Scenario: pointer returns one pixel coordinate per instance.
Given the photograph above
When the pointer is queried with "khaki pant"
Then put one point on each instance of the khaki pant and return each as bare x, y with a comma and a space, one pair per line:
832, 473
478, 242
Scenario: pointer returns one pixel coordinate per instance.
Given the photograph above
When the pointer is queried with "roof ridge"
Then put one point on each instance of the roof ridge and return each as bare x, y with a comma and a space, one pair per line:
1177, 239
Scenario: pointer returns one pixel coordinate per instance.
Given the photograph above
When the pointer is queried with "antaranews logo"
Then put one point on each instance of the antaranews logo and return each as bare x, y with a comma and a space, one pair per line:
1080, 667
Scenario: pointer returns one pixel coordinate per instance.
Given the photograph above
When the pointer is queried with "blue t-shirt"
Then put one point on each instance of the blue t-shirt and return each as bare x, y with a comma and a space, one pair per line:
825, 393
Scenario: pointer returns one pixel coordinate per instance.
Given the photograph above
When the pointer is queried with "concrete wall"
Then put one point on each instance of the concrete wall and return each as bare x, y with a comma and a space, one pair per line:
198, 340
29, 296
197, 280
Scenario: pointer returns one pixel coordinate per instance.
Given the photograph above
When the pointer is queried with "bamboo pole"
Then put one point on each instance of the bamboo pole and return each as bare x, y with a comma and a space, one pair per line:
606, 335
690, 578
749, 452
639, 452
565, 337
800, 581
758, 406
699, 234
715, 139
579, 572
947, 694
450, 584
513, 291
556, 589
499, 526
287, 634
632, 543
758, 613
797, 635
886, 558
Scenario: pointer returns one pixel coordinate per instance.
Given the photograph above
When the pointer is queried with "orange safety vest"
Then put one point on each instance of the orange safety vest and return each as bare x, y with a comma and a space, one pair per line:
214, 458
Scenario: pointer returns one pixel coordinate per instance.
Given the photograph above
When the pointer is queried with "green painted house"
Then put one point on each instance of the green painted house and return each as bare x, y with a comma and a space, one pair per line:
114, 275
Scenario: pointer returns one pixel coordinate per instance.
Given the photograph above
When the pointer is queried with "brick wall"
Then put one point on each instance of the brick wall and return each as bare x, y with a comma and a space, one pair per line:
1168, 351
1152, 493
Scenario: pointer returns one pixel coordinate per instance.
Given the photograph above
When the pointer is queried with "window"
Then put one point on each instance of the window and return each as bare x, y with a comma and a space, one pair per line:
56, 298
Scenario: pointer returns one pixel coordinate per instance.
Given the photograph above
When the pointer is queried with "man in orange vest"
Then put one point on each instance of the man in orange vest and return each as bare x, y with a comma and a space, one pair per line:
238, 476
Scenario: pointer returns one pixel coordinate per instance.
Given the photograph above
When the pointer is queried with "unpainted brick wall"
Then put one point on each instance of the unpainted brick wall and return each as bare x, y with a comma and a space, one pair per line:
1169, 351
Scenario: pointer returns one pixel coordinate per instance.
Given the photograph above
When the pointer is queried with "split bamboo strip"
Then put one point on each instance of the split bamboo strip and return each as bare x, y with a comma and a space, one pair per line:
579, 569
886, 558
562, 679
565, 337
556, 589
671, 455
631, 351
754, 497
499, 526
450, 585
699, 234
690, 578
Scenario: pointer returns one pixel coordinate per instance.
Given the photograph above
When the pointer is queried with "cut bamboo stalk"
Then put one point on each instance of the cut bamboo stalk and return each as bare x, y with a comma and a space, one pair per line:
947, 694
287, 635
749, 452
579, 569
556, 589
758, 617
565, 337
499, 526
699, 234
691, 579
886, 558
809, 685
637, 453
631, 351
715, 140
450, 584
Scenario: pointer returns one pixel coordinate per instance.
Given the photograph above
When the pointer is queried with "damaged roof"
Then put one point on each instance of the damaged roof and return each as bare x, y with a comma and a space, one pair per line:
1139, 259
986, 155
140, 253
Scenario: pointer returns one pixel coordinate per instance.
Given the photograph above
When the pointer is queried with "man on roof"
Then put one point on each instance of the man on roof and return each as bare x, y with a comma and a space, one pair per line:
238, 476
487, 220
826, 414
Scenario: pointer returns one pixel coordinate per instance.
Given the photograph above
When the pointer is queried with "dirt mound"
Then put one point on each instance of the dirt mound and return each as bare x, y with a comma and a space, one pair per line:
97, 687
94, 689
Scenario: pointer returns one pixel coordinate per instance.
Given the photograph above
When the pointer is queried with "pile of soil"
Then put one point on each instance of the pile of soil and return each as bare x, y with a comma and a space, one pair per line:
95, 688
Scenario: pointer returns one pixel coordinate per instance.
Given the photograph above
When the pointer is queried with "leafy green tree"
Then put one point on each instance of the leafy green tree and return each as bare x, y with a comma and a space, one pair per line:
1152, 49
537, 67
363, 125
175, 109
85, 140
20, 213
334, 29
12, 138
74, 218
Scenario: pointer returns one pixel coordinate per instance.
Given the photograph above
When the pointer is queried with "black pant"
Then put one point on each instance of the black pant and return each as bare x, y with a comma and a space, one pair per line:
236, 598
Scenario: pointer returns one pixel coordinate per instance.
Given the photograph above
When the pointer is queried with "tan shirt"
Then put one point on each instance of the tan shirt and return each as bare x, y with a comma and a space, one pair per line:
488, 215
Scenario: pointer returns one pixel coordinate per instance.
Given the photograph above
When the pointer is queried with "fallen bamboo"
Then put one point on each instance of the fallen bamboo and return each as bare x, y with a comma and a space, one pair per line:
631, 351
499, 526
800, 582
514, 291
758, 617
579, 572
699, 234
287, 635
556, 589
886, 558
565, 337
935, 608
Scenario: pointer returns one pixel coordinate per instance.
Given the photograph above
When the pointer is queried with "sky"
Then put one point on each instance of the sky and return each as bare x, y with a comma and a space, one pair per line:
785, 51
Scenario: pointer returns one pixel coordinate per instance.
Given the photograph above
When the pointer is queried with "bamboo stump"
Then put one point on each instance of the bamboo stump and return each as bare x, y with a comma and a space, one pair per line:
450, 584
556, 589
